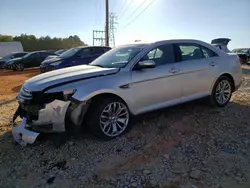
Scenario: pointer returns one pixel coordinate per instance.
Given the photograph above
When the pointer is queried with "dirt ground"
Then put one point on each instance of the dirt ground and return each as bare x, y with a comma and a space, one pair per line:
11, 82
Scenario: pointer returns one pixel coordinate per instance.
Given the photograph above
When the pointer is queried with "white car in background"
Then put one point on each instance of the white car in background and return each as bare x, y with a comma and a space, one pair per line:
10, 47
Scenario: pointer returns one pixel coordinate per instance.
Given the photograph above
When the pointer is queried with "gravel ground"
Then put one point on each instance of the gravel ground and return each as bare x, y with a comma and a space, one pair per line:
187, 146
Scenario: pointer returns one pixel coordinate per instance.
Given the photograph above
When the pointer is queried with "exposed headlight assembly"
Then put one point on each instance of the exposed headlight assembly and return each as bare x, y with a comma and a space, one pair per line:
68, 93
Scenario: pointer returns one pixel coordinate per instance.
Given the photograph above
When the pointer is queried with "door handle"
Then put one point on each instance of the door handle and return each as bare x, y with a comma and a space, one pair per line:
174, 70
212, 64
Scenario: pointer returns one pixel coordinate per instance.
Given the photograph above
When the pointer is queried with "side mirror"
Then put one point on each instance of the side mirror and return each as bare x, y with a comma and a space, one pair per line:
145, 64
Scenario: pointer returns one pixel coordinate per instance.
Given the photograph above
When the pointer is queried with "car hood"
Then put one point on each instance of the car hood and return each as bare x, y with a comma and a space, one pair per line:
14, 60
52, 59
66, 75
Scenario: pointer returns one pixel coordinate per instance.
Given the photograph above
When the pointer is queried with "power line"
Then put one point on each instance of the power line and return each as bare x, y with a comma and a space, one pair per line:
102, 14
115, 5
137, 9
139, 14
122, 7
131, 1
96, 14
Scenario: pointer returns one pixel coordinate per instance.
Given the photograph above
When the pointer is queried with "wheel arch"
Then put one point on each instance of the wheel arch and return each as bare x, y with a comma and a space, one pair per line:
106, 95
231, 78
227, 75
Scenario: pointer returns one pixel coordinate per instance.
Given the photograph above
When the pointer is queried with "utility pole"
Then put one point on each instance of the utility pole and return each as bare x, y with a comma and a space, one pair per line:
112, 28
107, 24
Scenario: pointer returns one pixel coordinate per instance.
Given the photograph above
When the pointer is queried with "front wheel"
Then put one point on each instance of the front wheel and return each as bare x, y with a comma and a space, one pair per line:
19, 67
108, 118
222, 92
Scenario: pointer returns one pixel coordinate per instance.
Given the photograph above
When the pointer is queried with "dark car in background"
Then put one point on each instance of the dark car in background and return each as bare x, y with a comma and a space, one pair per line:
243, 53
8, 57
32, 59
75, 56
57, 53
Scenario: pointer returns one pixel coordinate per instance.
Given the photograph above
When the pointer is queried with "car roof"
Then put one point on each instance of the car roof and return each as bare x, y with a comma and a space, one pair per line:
163, 42
19, 52
38, 51
139, 45
93, 47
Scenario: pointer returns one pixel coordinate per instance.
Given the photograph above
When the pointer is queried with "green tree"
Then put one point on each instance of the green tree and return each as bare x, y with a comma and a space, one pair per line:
32, 43
6, 38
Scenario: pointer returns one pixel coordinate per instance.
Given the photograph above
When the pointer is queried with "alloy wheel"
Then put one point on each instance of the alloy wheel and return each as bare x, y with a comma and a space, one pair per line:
223, 92
114, 119
19, 67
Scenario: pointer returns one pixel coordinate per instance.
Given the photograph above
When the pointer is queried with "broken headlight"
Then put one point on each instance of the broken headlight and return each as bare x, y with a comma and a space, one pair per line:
68, 93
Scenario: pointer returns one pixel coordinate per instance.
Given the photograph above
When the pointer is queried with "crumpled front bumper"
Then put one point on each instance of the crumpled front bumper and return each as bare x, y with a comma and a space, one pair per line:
22, 135
51, 119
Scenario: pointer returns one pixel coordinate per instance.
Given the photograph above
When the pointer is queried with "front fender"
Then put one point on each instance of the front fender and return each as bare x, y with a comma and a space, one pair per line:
87, 89
84, 95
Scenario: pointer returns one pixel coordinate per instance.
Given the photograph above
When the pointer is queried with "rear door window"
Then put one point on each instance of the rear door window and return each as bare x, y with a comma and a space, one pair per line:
84, 52
97, 51
43, 54
207, 52
190, 52
34, 55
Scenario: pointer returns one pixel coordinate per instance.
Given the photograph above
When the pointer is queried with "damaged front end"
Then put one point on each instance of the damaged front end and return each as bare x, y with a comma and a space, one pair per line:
46, 113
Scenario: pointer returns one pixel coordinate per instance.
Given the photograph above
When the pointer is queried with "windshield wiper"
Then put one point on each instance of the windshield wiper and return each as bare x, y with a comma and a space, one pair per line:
97, 65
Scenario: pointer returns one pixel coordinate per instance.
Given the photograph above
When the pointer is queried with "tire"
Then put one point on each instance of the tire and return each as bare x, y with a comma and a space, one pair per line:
216, 98
97, 118
19, 67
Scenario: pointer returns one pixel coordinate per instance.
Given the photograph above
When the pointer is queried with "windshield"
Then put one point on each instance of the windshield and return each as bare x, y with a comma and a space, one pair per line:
69, 52
7, 56
59, 52
27, 55
117, 58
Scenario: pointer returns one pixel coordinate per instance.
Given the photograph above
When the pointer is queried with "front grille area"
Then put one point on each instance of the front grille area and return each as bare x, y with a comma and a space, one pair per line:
24, 95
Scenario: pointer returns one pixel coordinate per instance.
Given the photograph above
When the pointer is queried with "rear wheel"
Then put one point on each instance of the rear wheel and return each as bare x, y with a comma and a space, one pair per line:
222, 92
19, 67
108, 118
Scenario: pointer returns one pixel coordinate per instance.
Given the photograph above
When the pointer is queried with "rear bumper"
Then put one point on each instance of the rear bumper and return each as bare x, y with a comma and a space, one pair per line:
2, 65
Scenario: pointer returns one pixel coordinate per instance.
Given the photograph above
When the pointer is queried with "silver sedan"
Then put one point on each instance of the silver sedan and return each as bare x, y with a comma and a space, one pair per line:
126, 81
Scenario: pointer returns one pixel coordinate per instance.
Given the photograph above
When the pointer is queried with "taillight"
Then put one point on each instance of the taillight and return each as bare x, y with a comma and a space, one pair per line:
241, 62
